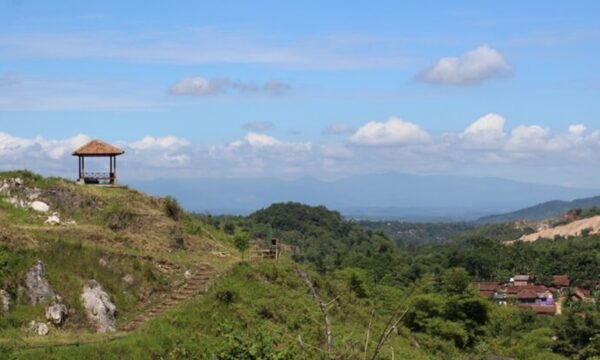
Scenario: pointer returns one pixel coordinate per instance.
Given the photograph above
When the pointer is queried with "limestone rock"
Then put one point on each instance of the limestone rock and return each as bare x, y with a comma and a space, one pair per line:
37, 284
98, 306
57, 314
5, 301
39, 206
53, 219
38, 328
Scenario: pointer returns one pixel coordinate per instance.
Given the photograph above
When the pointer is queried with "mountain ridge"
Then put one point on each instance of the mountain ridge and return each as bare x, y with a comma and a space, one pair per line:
542, 211
382, 196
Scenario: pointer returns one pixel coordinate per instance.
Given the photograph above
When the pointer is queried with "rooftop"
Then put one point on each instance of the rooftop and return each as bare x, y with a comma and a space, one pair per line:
98, 148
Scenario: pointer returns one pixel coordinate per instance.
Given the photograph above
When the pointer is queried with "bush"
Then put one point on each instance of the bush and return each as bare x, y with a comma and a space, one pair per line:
116, 217
172, 208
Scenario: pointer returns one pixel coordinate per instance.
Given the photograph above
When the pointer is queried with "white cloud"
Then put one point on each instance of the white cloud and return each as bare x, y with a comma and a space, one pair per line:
486, 131
258, 126
392, 132
523, 149
472, 68
255, 139
339, 128
534, 138
201, 86
150, 142
577, 129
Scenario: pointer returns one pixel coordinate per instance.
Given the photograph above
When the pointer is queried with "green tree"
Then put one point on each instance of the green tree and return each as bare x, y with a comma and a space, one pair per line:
241, 242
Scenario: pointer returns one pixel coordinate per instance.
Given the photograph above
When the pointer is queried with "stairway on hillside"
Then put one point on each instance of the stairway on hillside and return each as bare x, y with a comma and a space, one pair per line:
192, 287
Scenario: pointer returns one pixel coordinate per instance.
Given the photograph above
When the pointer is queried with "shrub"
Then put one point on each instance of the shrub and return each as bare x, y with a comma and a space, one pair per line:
117, 218
172, 208
226, 297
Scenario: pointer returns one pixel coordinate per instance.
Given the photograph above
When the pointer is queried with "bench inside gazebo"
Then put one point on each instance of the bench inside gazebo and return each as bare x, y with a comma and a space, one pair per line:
98, 148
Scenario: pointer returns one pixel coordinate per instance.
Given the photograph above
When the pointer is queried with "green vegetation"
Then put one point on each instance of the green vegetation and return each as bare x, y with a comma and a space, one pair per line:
343, 290
241, 243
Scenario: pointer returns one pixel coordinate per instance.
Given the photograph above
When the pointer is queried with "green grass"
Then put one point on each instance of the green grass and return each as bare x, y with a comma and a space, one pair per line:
69, 266
17, 215
261, 308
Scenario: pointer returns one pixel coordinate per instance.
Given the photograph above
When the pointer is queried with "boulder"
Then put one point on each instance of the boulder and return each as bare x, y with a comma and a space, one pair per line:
37, 284
39, 206
5, 301
57, 314
38, 328
99, 309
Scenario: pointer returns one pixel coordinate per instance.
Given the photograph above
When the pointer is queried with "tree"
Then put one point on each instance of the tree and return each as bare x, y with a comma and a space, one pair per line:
241, 242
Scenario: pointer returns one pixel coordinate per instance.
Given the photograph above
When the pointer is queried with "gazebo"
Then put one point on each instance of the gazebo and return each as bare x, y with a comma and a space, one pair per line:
98, 148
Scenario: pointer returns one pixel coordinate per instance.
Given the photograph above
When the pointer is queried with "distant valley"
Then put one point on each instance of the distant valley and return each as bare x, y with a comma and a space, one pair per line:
392, 196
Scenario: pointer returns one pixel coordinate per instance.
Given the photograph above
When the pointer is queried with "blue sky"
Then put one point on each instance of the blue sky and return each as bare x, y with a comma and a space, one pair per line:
249, 89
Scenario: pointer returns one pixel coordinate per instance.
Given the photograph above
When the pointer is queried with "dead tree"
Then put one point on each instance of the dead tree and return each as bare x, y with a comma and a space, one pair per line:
324, 307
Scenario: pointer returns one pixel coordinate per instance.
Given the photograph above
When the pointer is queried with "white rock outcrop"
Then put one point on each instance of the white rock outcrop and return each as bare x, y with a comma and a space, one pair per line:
38, 328
39, 206
38, 287
53, 219
57, 314
99, 309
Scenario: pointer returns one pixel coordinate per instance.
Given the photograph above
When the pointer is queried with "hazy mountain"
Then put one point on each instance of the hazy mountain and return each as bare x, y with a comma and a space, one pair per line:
542, 211
392, 195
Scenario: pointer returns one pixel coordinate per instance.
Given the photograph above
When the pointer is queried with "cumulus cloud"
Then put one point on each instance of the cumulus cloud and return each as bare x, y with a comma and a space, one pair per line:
255, 139
201, 86
339, 128
577, 129
258, 126
392, 132
471, 68
486, 131
392, 145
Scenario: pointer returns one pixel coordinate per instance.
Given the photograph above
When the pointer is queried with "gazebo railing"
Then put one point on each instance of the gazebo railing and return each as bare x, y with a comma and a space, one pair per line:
98, 175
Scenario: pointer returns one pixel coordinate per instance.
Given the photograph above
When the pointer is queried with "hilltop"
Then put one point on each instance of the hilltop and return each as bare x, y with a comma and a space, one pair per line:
57, 237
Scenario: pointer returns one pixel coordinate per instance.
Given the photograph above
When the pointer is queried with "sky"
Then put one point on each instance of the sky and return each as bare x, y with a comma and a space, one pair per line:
304, 89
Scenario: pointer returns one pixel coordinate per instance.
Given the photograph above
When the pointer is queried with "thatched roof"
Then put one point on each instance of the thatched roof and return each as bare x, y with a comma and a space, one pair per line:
98, 148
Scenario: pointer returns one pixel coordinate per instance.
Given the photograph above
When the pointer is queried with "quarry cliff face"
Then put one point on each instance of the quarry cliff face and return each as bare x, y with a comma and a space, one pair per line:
583, 227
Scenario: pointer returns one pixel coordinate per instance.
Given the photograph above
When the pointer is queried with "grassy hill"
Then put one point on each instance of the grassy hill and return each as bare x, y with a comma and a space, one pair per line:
546, 210
136, 246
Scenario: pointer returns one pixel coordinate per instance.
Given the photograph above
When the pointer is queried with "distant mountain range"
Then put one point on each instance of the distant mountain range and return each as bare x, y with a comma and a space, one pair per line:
546, 210
391, 196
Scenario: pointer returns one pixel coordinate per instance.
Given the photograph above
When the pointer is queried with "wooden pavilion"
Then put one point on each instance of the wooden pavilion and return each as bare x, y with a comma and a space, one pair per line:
98, 148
